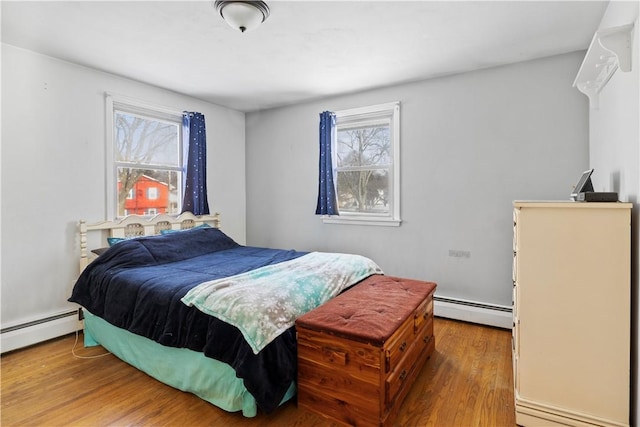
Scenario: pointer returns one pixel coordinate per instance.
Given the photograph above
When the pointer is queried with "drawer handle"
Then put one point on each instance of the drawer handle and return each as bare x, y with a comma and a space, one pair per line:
403, 375
426, 339
403, 345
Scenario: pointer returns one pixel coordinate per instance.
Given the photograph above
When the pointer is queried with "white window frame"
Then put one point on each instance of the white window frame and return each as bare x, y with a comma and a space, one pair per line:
370, 115
134, 106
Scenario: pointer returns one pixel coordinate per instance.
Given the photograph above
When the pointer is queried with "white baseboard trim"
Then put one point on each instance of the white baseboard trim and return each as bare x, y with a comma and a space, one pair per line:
498, 316
35, 332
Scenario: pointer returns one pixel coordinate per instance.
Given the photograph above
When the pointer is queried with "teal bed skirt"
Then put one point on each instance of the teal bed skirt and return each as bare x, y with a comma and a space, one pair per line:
181, 368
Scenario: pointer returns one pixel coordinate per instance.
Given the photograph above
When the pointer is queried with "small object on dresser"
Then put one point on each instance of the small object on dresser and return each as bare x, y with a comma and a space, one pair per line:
597, 196
584, 185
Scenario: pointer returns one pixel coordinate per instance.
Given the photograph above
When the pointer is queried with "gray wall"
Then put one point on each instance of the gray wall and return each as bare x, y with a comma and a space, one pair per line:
53, 172
615, 154
470, 144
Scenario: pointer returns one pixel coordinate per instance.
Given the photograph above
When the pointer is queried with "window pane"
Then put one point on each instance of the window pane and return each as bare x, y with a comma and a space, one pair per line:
363, 146
152, 193
363, 191
145, 140
135, 194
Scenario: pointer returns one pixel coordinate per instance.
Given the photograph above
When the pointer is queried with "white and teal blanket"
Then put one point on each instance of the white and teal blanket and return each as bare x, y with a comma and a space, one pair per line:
263, 303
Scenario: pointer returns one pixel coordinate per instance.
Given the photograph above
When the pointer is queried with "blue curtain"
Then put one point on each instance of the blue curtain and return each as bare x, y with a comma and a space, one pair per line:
327, 202
195, 182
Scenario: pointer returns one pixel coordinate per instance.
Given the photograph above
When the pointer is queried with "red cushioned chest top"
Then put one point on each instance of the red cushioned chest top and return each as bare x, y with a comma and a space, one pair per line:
371, 311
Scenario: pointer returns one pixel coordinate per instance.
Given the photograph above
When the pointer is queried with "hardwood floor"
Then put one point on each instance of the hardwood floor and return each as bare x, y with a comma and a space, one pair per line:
467, 382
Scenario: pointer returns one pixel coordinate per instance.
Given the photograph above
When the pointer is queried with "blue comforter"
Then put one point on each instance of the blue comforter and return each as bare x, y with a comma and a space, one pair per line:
137, 285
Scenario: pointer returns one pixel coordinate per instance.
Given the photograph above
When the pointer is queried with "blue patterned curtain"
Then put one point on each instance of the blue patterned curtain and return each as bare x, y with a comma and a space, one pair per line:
327, 202
195, 186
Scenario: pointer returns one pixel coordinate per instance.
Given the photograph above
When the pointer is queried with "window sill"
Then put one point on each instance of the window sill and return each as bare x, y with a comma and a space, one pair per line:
345, 220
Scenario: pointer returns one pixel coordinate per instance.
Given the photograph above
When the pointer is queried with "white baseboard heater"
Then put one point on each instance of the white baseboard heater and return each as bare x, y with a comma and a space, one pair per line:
470, 311
32, 332
24, 334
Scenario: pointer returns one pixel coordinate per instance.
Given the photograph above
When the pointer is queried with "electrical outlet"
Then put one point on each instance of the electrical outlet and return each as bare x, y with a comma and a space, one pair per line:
456, 253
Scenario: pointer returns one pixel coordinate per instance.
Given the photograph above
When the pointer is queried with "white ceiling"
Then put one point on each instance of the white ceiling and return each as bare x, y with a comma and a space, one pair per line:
305, 49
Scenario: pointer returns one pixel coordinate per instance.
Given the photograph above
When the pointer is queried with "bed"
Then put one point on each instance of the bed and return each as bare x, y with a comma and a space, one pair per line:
182, 301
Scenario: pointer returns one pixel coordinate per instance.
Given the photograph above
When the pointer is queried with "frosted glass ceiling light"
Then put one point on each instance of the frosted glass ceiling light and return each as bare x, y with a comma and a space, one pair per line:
242, 15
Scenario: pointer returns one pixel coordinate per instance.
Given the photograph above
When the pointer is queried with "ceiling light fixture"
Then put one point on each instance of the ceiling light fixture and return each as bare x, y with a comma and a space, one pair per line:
242, 15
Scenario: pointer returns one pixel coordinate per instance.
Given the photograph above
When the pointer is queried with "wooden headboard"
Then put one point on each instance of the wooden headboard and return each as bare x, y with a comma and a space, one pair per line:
136, 225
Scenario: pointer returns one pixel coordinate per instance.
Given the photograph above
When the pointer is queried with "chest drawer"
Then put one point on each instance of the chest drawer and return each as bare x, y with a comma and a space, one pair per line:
422, 344
398, 345
425, 334
397, 379
423, 313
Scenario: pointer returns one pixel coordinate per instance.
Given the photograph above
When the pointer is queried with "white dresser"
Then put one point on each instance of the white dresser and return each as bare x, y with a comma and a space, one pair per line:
571, 332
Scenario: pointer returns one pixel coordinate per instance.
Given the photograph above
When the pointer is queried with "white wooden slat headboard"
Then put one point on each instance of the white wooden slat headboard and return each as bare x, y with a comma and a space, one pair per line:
137, 225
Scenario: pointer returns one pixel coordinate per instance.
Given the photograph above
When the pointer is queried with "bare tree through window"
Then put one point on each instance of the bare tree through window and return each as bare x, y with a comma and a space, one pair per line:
363, 166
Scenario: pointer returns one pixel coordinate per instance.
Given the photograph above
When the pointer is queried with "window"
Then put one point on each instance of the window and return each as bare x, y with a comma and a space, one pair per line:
152, 193
367, 165
144, 145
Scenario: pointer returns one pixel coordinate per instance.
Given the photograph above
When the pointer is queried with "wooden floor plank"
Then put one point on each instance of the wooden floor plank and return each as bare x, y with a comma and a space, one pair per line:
467, 382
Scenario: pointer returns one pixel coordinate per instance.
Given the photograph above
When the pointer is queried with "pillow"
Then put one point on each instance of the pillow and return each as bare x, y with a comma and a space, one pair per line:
113, 240
99, 251
203, 225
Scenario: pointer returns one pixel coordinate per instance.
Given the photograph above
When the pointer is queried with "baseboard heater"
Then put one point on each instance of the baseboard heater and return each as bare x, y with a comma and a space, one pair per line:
38, 330
471, 311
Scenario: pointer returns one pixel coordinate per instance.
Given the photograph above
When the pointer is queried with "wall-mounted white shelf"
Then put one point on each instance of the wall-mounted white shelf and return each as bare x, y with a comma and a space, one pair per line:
610, 49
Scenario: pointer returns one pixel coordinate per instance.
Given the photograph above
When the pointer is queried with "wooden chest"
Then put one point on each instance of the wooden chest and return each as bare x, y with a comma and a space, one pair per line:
359, 353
